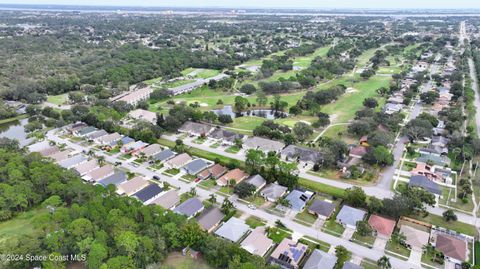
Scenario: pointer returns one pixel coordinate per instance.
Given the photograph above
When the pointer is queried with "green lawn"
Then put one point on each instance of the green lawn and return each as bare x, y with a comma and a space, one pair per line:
226, 190
321, 188
173, 171
397, 248
208, 184
357, 238
233, 149
24, 116
368, 264
177, 83
277, 235
306, 61
453, 225
200, 73
189, 177
57, 99
340, 132
256, 200
333, 228
23, 224
177, 261
307, 240
306, 217
429, 259
254, 222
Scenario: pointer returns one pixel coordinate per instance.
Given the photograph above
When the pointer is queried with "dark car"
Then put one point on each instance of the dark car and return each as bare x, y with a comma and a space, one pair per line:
156, 177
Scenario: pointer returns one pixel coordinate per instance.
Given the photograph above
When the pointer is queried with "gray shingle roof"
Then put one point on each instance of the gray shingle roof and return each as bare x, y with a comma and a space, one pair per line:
219, 133
211, 217
233, 229
195, 128
257, 180
303, 154
263, 144
115, 179
298, 199
425, 183
164, 155
320, 260
350, 265
73, 161
189, 208
273, 191
148, 192
196, 166
322, 208
350, 216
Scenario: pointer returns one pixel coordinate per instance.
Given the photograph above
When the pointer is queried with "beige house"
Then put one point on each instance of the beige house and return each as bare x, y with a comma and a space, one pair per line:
178, 161
132, 186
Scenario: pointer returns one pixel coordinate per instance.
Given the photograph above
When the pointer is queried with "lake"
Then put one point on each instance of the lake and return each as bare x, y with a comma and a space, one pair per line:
15, 130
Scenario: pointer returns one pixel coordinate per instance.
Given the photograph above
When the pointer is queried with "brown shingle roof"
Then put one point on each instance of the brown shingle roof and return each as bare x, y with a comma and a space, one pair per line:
452, 247
382, 225
235, 174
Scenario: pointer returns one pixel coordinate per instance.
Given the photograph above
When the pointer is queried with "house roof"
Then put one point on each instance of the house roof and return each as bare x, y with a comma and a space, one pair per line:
86, 130
289, 252
438, 160
298, 199
100, 173
452, 247
351, 265
134, 95
109, 138
350, 216
424, 183
86, 167
235, 174
190, 207
180, 160
195, 127
151, 149
382, 225
273, 191
49, 151
132, 185
320, 260
257, 242
194, 167
97, 134
215, 171
115, 179
164, 155
358, 151
210, 218
167, 200
37, 147
233, 229
148, 192
219, 133
73, 161
141, 114
302, 154
263, 144
414, 237
322, 208
135, 145
60, 156
257, 180
126, 140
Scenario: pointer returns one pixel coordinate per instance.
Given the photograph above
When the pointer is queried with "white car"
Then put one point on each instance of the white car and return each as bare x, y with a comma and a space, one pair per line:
252, 207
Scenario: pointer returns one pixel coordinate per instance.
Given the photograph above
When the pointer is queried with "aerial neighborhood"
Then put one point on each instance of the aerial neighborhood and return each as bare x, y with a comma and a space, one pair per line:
230, 139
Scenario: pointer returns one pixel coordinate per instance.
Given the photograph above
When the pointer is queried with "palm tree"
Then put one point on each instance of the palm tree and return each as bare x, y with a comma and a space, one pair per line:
384, 262
227, 206
101, 160
192, 191
212, 199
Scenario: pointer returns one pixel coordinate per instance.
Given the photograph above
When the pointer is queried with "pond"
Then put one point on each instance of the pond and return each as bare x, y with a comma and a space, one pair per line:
15, 130
264, 113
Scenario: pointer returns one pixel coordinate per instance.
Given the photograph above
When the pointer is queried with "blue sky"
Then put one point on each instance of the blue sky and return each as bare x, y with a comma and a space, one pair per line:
268, 3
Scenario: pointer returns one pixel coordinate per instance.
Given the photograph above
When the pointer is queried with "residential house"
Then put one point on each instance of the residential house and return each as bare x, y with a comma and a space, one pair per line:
357, 152
115, 179
196, 166
288, 254
298, 199
210, 219
258, 181
349, 216
167, 200
186, 87
163, 156
143, 115
195, 129
441, 141
434, 150
273, 191
99, 173
382, 226
134, 97
415, 238
86, 167
39, 146
148, 193
73, 161
60, 156
454, 248
225, 137
189, 208
132, 148
107, 139
149, 151
433, 172
84, 131
96, 135
391, 108
351, 265
213, 172
263, 144
433, 158
322, 209
236, 175
306, 158
233, 230
423, 182
49, 151
178, 161
132, 186
320, 260
363, 141
257, 243
75, 126
126, 140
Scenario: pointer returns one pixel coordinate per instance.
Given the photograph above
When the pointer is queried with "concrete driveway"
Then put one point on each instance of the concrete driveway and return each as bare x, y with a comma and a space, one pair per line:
380, 243
415, 256
348, 233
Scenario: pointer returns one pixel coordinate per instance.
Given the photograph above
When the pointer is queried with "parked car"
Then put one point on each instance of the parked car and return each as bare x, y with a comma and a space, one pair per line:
156, 177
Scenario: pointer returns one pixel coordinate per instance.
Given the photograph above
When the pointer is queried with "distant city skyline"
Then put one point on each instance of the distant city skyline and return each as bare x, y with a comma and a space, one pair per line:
368, 4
